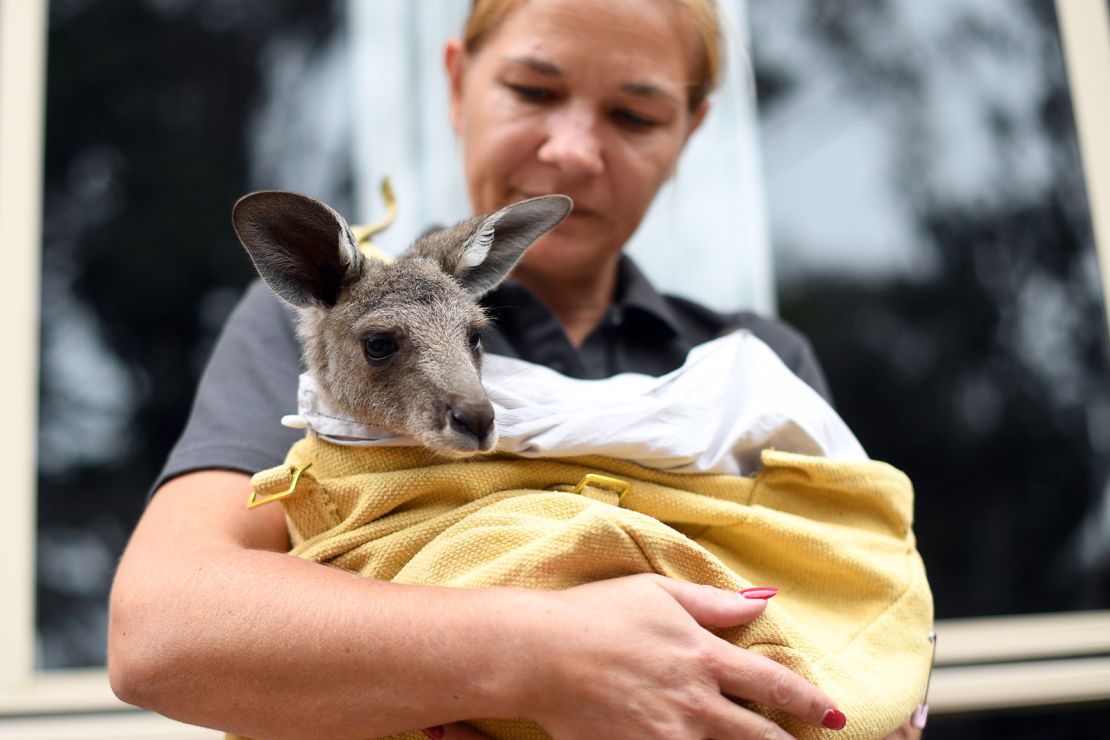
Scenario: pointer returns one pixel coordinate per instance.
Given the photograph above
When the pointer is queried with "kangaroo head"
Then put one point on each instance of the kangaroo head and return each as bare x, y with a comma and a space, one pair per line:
394, 344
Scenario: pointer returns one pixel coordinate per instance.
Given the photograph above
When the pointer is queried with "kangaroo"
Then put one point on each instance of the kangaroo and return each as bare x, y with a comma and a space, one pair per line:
394, 345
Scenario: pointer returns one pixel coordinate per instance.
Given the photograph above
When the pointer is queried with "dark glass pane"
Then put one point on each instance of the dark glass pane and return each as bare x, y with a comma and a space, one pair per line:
154, 113
1073, 723
932, 238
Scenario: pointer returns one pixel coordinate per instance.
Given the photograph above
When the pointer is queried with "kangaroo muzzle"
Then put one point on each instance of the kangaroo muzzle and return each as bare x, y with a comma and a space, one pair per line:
473, 419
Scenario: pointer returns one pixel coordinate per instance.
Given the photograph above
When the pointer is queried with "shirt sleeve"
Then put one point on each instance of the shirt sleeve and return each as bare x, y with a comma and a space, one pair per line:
249, 384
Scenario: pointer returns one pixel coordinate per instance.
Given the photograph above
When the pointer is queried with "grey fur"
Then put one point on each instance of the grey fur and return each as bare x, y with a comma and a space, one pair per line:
424, 302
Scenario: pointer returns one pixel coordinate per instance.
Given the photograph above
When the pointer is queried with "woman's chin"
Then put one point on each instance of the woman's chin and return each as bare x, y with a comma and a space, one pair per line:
567, 258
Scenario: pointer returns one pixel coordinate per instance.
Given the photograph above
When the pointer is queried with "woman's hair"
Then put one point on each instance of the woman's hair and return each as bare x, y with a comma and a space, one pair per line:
486, 15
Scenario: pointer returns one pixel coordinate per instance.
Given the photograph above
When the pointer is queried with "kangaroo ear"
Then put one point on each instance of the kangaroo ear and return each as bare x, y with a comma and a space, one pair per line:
482, 250
303, 249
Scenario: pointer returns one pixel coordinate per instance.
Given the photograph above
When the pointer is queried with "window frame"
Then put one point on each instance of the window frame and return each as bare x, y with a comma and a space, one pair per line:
1085, 33
983, 664
22, 86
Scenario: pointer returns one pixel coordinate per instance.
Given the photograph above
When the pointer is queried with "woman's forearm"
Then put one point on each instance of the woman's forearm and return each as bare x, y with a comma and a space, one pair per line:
211, 632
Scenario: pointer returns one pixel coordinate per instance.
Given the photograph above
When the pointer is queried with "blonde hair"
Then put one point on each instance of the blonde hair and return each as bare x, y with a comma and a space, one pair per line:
486, 15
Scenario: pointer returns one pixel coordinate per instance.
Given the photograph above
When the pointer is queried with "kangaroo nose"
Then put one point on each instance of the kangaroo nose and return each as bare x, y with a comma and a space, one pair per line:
471, 418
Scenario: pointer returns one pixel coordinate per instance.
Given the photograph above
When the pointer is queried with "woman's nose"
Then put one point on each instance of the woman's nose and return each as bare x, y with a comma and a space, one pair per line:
573, 145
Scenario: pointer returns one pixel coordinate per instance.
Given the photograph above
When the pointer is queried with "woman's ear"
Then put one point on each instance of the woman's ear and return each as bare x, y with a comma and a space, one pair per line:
454, 60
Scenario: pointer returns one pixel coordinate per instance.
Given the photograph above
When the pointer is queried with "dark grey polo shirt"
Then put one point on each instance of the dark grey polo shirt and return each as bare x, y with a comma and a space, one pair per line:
251, 379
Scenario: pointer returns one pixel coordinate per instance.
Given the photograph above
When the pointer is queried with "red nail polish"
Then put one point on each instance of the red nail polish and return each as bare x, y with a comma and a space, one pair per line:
834, 719
435, 733
760, 592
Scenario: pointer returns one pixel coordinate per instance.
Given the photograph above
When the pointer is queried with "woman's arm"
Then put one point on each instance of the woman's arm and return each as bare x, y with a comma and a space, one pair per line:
211, 623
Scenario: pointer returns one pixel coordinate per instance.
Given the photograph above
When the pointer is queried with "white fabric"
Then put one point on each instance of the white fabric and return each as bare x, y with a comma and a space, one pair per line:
732, 398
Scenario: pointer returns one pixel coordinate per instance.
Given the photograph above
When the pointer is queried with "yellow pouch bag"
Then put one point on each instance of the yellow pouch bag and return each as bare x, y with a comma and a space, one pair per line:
854, 608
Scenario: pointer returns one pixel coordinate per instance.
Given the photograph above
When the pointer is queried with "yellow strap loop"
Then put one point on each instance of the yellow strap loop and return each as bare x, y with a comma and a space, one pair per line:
255, 501
605, 483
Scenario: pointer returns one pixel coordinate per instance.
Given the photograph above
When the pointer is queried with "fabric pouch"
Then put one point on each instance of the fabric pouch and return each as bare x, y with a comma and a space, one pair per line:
853, 611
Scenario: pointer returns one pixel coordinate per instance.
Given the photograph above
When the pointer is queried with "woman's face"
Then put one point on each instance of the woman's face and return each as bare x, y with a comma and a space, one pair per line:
583, 97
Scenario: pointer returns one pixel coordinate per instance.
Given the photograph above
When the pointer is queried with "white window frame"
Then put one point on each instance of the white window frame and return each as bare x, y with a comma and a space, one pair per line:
1085, 31
22, 66
989, 664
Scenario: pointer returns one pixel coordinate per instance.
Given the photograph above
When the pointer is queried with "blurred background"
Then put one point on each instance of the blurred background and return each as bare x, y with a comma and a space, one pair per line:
913, 201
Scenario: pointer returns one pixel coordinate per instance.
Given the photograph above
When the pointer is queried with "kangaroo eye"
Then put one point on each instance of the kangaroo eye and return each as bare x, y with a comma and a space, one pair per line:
378, 346
475, 340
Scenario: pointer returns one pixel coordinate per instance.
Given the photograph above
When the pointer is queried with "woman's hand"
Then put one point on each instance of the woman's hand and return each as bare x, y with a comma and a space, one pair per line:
632, 658
453, 731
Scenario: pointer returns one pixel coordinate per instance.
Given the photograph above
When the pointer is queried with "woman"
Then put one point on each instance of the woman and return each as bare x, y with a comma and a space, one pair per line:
213, 625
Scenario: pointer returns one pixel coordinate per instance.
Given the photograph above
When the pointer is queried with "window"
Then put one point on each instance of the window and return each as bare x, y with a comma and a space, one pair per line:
913, 196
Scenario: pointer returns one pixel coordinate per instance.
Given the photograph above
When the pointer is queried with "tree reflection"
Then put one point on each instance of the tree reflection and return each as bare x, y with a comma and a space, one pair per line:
983, 369
952, 293
149, 109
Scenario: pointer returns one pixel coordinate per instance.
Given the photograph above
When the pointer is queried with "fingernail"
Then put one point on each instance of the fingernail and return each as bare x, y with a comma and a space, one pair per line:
919, 716
834, 719
760, 592
435, 733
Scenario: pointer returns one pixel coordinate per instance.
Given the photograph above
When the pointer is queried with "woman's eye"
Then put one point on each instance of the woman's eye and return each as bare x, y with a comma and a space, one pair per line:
378, 346
531, 94
632, 120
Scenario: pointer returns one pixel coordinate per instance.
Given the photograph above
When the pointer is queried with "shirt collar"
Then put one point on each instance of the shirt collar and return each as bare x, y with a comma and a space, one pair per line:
636, 293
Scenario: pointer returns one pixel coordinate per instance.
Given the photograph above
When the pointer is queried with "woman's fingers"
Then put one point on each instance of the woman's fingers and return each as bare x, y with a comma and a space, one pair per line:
747, 675
714, 607
666, 675
750, 676
453, 731
725, 720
